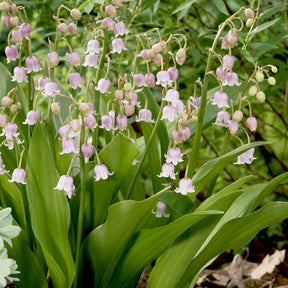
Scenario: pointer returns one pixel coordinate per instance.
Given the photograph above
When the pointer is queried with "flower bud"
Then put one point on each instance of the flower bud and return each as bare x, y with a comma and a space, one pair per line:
128, 96
261, 96
253, 90
271, 80
55, 108
274, 69
237, 115
6, 21
249, 22
117, 3
6, 101
87, 150
72, 28
75, 125
129, 109
251, 123
83, 108
75, 14
150, 79
19, 105
259, 76
62, 28
127, 87
14, 109
17, 36
119, 94
150, 54
158, 60
4, 6
249, 13
233, 126
180, 53
3, 120
110, 10
53, 58
156, 48
12, 8
194, 118
14, 21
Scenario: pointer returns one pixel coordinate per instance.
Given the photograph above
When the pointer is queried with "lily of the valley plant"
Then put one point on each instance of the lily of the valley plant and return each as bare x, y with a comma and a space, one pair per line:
100, 148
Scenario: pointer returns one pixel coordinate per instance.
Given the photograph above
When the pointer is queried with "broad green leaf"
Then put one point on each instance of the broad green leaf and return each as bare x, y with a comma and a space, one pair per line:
50, 215
117, 156
221, 6
102, 249
241, 231
211, 168
147, 247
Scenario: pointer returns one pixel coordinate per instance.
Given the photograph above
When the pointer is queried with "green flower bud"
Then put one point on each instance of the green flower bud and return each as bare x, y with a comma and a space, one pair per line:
271, 80
249, 22
259, 76
75, 14
261, 96
253, 90
127, 87
237, 116
249, 13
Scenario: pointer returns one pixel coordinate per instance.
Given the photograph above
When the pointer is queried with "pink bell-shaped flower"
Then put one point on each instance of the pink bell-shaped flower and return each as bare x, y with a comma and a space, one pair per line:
121, 122
246, 157
231, 80
87, 150
91, 60
118, 45
169, 113
150, 79
168, 171
161, 210
50, 89
101, 172
172, 96
222, 119
11, 53
65, 183
18, 176
163, 79
90, 121
140, 80
103, 86
32, 117
74, 59
173, 72
251, 123
75, 80
145, 115
53, 58
220, 99
108, 23
120, 28
42, 81
32, 64
185, 186
25, 29
107, 122
19, 75
68, 146
93, 47
174, 156
228, 62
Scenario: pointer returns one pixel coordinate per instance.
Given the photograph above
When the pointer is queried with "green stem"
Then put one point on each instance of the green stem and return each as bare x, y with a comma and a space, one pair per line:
81, 207
153, 134
203, 102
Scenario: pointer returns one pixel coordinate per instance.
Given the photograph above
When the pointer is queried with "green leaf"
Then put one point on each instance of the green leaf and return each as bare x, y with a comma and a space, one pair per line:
211, 168
271, 11
183, 8
235, 234
262, 27
50, 214
89, 8
117, 156
102, 249
221, 6
146, 247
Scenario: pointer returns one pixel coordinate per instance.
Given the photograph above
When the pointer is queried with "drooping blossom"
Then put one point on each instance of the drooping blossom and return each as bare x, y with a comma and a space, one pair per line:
32, 117
169, 113
174, 156
121, 122
108, 23
11, 53
118, 45
91, 60
74, 59
185, 186
221, 73
107, 122
222, 119
163, 79
101, 172
140, 80
19, 75
42, 81
231, 80
150, 79
173, 73
66, 132
168, 171
75, 80
93, 47
53, 58
220, 99
228, 62
2, 166
32, 64
17, 36
172, 96
10, 132
50, 89
18, 176
182, 134
26, 29
233, 126
246, 157
145, 115
90, 121
161, 210
65, 183
68, 146
120, 28
103, 86
251, 123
